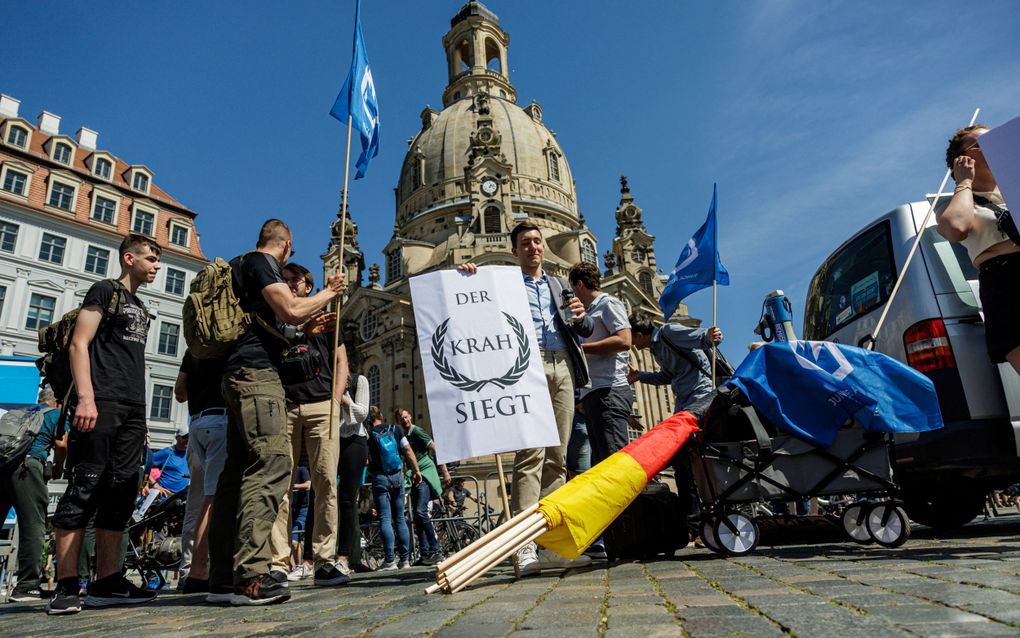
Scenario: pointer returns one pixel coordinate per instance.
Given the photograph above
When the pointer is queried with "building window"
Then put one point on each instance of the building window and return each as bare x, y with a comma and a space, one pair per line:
493, 220
369, 323
645, 279
104, 168
394, 266
3, 296
40, 311
179, 235
15, 182
61, 196
97, 260
104, 209
62, 153
140, 182
174, 281
417, 180
52, 248
168, 337
588, 253
554, 167
161, 398
374, 385
17, 136
638, 254
8, 237
144, 223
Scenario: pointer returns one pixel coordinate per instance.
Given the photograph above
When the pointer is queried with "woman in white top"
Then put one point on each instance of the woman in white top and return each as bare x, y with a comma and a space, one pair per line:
353, 458
977, 217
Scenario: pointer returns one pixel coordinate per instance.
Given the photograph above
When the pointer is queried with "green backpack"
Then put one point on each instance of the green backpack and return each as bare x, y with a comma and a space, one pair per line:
55, 344
213, 317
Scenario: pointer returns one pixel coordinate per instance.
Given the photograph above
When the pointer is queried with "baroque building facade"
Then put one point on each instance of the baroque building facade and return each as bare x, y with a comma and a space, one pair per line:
65, 206
474, 170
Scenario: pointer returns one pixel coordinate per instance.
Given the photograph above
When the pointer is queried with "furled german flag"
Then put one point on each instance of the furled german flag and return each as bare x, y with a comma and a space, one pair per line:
581, 510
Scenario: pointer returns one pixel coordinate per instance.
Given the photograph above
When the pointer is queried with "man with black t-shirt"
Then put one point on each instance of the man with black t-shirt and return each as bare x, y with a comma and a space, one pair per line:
309, 383
257, 473
107, 439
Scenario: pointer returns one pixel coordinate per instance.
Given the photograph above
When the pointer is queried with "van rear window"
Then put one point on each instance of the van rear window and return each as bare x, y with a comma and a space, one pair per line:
853, 282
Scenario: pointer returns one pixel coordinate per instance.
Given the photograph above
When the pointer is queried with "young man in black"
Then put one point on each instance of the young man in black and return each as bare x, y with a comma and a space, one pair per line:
257, 472
108, 432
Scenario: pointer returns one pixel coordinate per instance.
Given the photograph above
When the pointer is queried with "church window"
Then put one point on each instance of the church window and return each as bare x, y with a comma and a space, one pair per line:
645, 279
554, 166
588, 253
493, 220
492, 61
465, 56
417, 172
368, 326
374, 385
638, 254
394, 266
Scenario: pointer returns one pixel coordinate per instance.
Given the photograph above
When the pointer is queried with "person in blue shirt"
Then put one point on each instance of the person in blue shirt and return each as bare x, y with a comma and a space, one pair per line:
23, 487
172, 463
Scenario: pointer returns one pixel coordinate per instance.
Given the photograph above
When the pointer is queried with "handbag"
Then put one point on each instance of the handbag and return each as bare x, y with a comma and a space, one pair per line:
300, 363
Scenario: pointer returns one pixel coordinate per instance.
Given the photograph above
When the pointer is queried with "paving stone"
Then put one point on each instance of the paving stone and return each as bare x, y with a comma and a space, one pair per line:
729, 626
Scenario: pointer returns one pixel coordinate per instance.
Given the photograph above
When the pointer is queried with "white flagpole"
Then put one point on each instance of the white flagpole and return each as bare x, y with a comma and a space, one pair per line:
340, 266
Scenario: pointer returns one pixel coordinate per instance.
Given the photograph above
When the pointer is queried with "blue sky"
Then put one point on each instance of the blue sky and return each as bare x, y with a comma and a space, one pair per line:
813, 117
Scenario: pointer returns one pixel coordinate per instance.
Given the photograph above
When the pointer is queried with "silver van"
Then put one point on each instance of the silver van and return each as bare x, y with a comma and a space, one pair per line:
935, 326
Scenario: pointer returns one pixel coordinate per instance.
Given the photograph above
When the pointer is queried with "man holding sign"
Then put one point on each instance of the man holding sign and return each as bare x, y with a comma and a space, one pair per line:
558, 320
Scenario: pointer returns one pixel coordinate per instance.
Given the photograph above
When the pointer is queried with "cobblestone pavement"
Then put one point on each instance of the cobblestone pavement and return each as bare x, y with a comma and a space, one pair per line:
968, 585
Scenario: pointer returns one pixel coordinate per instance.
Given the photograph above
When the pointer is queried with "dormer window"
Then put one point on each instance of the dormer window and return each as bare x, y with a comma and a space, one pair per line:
554, 166
103, 168
394, 266
140, 182
62, 153
17, 136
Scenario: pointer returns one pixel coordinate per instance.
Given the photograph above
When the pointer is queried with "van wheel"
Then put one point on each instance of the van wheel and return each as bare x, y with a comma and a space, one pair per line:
945, 507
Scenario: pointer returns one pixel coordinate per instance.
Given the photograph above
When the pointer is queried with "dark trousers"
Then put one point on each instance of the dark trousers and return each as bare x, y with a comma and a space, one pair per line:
255, 477
426, 533
23, 487
606, 411
353, 456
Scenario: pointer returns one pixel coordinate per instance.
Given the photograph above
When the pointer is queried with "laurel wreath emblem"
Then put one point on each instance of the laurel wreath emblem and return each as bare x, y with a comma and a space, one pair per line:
458, 380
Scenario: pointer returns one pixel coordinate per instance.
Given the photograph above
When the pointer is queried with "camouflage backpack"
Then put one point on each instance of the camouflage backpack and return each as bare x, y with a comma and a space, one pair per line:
55, 343
213, 317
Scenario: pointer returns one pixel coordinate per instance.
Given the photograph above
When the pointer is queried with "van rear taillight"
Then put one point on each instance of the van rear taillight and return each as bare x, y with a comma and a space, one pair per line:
927, 346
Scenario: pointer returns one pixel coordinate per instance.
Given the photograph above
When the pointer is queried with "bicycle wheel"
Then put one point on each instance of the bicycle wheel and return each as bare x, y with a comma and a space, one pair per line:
466, 534
373, 554
855, 523
888, 525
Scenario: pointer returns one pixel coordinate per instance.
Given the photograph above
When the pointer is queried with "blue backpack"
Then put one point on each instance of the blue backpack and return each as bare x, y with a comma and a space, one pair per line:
386, 448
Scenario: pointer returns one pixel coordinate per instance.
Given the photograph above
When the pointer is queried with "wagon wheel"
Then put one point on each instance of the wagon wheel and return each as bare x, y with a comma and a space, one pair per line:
737, 534
888, 525
855, 523
707, 533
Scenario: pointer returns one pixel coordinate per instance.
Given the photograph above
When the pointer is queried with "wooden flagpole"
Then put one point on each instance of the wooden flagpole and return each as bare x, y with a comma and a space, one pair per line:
340, 266
506, 507
913, 249
715, 296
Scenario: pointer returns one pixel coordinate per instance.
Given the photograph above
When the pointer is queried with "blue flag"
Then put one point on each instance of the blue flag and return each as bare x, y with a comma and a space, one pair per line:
810, 388
357, 99
697, 267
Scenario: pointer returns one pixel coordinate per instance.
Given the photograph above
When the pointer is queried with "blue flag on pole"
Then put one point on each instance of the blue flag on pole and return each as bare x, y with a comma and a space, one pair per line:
810, 388
697, 267
357, 99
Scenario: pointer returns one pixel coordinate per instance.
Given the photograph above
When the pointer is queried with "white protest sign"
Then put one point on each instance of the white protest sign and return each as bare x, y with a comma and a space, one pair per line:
484, 376
1001, 148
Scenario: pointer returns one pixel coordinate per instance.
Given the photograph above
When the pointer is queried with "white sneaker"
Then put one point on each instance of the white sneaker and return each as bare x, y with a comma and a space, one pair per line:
550, 560
301, 572
343, 568
388, 566
527, 560
404, 564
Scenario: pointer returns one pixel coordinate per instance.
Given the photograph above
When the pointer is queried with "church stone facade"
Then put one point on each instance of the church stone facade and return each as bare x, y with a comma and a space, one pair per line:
475, 169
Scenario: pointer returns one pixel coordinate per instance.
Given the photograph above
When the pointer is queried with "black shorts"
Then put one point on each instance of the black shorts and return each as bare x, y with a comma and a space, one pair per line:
1000, 300
105, 469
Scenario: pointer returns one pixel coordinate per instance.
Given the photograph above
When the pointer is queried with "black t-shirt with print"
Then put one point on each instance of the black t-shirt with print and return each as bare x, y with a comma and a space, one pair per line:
257, 348
117, 353
203, 382
321, 387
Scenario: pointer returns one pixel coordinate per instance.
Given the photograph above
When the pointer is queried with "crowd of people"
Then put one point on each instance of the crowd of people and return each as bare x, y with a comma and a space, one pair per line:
281, 437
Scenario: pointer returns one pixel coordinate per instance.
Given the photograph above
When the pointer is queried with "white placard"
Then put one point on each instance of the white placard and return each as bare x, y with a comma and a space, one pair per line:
483, 372
1001, 148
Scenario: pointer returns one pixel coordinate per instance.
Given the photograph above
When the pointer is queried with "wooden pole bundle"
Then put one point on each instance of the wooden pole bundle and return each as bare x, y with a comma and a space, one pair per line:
460, 570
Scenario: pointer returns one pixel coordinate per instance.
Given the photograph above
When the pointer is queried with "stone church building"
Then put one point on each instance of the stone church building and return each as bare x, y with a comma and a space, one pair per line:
477, 167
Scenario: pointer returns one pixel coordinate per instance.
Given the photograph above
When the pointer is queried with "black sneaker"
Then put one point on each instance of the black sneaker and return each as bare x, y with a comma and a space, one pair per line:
64, 600
195, 586
327, 575
221, 594
116, 590
432, 559
26, 594
264, 589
